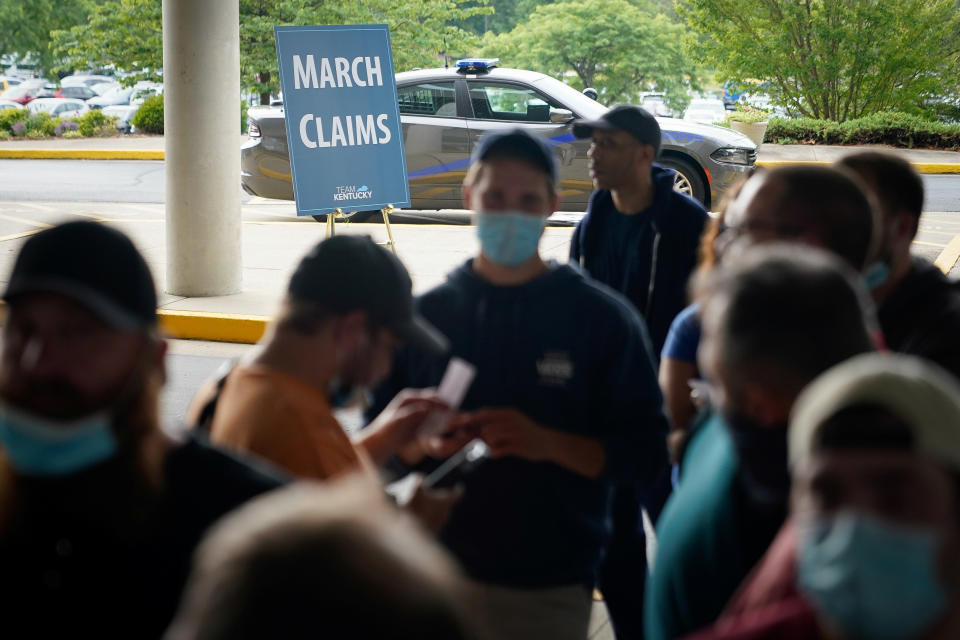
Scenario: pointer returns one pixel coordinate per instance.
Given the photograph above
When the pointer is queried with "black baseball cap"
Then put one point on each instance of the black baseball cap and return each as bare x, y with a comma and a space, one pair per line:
517, 143
92, 264
352, 273
624, 117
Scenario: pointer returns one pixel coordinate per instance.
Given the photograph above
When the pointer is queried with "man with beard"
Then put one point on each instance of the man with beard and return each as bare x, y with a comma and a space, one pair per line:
773, 319
917, 306
100, 510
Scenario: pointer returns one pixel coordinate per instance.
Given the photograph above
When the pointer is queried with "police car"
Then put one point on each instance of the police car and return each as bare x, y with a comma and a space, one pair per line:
445, 111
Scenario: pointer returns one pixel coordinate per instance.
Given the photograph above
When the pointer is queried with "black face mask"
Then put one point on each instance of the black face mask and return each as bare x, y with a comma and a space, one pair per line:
762, 450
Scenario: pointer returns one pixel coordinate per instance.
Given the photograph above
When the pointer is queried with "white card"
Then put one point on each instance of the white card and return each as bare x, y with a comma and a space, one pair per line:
453, 388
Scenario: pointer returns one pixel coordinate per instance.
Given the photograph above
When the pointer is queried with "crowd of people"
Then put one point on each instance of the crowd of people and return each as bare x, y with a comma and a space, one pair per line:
773, 388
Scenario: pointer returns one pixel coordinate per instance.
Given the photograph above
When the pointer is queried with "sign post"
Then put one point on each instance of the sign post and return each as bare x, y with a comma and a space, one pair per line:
343, 121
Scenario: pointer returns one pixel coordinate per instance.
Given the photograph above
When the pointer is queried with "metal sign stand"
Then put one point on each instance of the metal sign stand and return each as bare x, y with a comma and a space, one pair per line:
385, 212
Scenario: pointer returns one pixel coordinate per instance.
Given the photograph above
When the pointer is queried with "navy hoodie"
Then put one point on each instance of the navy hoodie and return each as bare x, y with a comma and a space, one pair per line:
659, 251
573, 356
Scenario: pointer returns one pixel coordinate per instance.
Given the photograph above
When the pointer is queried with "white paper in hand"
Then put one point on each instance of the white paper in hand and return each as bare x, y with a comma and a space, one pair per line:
453, 388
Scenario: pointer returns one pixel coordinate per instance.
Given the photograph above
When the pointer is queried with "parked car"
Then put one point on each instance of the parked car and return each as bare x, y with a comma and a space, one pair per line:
445, 111
123, 113
87, 80
77, 91
22, 93
10, 104
103, 87
143, 90
706, 111
58, 107
119, 95
8, 81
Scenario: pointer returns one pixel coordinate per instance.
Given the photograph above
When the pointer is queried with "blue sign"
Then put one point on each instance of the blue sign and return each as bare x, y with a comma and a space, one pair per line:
342, 119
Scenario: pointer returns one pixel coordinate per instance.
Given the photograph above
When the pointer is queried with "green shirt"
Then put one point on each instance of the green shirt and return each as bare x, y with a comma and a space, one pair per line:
698, 564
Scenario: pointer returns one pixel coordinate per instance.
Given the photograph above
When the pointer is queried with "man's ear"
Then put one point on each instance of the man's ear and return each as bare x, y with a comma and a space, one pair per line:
159, 359
467, 197
906, 227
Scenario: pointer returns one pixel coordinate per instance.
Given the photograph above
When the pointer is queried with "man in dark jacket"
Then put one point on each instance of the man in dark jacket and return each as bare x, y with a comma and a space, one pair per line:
565, 396
100, 509
918, 307
639, 237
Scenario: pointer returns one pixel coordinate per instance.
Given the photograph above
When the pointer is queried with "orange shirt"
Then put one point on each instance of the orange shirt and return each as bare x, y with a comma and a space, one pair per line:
286, 421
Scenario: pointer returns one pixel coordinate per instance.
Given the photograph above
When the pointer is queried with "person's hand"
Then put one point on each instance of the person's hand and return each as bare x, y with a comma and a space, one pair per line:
395, 429
432, 506
455, 436
510, 433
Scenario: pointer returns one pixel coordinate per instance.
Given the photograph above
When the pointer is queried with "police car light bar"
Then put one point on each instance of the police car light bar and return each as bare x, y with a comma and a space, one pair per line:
474, 65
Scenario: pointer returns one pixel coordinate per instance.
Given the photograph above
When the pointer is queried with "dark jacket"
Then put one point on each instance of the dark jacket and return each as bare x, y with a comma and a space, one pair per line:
654, 278
573, 356
922, 316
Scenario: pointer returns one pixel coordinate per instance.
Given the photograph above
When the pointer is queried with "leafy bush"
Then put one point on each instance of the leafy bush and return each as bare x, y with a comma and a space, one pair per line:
149, 117
748, 115
8, 117
40, 125
891, 128
94, 122
243, 116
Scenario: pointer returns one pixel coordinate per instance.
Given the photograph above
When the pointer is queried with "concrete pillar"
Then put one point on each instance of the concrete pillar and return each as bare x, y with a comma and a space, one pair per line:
201, 85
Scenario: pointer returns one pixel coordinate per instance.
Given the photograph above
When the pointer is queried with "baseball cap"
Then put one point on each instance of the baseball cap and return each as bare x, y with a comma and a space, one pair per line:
623, 117
352, 273
517, 143
921, 395
93, 265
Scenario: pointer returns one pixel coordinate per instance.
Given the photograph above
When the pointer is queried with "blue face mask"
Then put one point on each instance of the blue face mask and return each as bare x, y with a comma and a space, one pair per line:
509, 238
873, 580
38, 446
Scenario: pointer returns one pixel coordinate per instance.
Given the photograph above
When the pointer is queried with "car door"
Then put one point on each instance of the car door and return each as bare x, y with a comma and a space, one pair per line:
501, 104
435, 142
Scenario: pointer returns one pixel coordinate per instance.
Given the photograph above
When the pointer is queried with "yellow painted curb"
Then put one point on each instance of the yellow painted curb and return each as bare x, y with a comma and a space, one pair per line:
921, 167
949, 256
219, 327
80, 154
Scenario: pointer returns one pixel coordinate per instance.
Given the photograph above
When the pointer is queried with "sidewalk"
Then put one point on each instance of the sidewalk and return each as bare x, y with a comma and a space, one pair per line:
147, 147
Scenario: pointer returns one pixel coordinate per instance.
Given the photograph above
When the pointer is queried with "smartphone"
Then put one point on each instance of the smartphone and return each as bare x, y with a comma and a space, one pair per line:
454, 468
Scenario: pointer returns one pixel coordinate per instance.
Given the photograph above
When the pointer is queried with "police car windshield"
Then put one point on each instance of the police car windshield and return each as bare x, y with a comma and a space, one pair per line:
581, 105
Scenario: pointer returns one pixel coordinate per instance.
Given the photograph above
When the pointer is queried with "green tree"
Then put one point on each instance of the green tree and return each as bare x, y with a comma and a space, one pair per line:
619, 47
25, 27
124, 34
833, 59
127, 33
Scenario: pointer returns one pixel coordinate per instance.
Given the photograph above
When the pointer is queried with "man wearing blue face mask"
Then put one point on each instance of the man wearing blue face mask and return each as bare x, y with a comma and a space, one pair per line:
917, 305
774, 318
100, 510
565, 396
875, 460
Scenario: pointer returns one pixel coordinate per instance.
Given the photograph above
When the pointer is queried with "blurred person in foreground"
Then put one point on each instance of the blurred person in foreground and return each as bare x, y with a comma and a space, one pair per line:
348, 308
774, 318
100, 510
565, 396
328, 561
875, 460
815, 206
917, 306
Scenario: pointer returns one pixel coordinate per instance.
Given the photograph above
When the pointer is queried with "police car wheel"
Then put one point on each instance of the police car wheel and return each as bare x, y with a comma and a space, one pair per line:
688, 180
